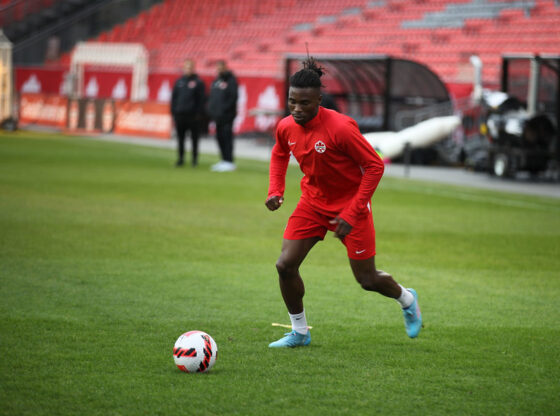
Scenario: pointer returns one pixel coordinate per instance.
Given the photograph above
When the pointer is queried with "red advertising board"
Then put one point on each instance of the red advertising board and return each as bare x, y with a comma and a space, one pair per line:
42, 109
143, 119
258, 104
266, 95
103, 83
36, 80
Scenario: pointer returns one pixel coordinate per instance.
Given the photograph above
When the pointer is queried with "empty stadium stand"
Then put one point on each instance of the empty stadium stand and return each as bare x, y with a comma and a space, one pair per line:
17, 10
41, 29
254, 35
20, 17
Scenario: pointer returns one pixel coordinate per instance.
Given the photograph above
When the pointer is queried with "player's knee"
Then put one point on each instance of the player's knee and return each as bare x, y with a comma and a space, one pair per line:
285, 269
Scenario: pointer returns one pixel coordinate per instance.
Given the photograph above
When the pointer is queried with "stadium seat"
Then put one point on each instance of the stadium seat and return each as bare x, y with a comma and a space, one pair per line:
254, 36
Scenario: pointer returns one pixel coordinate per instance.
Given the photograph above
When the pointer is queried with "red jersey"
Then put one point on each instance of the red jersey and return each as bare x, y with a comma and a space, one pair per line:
341, 169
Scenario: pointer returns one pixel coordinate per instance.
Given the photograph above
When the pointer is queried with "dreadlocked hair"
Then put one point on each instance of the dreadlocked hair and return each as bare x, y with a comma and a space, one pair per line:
309, 76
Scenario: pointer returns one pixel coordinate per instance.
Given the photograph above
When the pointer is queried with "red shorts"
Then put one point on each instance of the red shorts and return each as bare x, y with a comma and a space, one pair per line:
305, 222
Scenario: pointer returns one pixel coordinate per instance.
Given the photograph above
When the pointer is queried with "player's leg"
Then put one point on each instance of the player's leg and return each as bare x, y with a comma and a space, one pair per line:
221, 143
381, 282
195, 134
181, 129
220, 139
374, 280
227, 139
292, 288
291, 284
360, 245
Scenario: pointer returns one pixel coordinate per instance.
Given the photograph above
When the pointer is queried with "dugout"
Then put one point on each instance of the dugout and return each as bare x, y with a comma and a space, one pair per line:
380, 92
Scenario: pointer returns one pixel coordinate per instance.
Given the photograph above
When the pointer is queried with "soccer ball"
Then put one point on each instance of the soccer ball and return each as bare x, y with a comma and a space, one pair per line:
195, 352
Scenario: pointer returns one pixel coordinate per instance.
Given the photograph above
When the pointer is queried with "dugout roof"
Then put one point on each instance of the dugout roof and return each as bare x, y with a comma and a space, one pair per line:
380, 92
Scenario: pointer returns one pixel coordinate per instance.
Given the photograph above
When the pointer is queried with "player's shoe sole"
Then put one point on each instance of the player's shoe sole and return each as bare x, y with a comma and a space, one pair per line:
291, 340
413, 317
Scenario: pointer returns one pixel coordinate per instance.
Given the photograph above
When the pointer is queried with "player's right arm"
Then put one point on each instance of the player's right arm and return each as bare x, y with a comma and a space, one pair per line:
279, 159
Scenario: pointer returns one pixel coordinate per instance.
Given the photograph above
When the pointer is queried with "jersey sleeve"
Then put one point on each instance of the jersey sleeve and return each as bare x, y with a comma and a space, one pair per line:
371, 164
279, 159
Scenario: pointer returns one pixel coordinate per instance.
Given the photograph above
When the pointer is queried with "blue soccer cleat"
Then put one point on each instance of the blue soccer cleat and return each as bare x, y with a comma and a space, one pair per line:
292, 339
413, 317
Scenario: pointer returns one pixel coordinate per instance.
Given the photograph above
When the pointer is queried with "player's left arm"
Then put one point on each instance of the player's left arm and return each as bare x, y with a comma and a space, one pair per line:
363, 153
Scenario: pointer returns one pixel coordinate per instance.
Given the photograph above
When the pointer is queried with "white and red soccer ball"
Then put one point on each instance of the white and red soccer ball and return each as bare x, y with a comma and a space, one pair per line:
195, 352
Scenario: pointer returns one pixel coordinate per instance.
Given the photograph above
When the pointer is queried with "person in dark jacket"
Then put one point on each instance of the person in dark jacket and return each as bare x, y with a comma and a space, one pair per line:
222, 108
187, 108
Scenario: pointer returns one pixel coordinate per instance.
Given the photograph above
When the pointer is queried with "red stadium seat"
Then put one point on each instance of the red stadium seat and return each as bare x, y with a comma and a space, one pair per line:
254, 35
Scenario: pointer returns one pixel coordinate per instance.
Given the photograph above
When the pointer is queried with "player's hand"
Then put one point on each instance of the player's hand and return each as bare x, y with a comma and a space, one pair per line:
342, 227
274, 202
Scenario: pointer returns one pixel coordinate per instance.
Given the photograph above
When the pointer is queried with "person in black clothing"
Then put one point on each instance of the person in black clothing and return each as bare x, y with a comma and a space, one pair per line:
187, 108
222, 108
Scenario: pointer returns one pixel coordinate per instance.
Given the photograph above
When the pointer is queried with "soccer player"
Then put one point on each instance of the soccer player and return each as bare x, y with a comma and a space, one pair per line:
341, 172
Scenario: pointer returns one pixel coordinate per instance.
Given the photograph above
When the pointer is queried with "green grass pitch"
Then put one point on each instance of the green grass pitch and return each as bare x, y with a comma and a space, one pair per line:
108, 253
